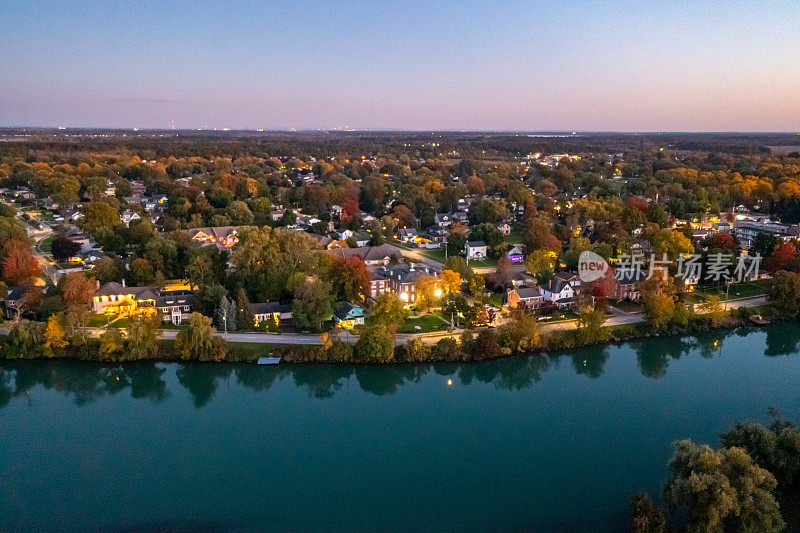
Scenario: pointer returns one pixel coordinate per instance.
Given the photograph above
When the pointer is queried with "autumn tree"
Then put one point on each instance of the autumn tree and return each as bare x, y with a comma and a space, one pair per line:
54, 338
540, 264
451, 281
112, 344
198, 341
349, 278
19, 263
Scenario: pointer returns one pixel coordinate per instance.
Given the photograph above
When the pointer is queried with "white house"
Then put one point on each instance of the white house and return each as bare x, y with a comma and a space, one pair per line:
129, 216
475, 250
559, 292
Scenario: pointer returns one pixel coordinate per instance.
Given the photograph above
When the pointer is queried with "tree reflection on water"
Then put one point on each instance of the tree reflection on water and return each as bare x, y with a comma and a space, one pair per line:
85, 383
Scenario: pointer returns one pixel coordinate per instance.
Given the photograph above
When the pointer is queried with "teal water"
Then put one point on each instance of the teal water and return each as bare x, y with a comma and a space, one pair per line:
537, 443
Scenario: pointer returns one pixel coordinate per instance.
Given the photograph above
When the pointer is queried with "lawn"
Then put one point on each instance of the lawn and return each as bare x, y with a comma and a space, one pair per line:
427, 324
737, 290
97, 321
46, 244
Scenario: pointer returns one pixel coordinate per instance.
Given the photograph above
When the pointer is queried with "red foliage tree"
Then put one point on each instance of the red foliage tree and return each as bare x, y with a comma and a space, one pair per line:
783, 257
350, 278
19, 263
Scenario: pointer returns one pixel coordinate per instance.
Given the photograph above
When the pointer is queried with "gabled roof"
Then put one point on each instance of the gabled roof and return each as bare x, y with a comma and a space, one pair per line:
112, 288
555, 285
476, 244
345, 310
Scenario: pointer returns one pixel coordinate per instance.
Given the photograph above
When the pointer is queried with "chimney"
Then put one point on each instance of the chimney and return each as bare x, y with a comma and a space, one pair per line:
123, 283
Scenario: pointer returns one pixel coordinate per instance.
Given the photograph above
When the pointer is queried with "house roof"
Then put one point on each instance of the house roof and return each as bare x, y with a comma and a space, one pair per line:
476, 244
112, 288
170, 298
526, 293
555, 285
264, 308
344, 310
368, 253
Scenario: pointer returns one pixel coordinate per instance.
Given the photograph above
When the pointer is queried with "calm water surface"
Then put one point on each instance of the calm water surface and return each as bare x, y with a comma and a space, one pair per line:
542, 443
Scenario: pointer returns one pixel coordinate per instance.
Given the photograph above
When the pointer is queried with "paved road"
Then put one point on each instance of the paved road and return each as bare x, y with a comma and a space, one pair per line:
428, 338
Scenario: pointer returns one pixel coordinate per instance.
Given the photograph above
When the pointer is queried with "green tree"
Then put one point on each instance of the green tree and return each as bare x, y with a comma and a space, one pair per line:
375, 345
659, 308
143, 336
244, 311
388, 309
313, 304
590, 325
199, 341
784, 293
646, 517
721, 490
112, 343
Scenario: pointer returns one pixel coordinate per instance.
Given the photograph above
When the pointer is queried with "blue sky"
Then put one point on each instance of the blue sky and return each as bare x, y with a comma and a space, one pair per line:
535, 65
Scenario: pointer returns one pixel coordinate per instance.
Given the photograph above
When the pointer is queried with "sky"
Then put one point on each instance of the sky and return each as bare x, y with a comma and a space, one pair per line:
533, 65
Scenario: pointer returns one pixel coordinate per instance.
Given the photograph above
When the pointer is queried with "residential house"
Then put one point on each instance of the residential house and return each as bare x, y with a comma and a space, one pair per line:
348, 315
116, 298
475, 250
378, 281
504, 228
372, 255
222, 237
128, 216
627, 284
559, 292
12, 303
403, 278
515, 254
175, 306
527, 298
442, 219
271, 312
408, 234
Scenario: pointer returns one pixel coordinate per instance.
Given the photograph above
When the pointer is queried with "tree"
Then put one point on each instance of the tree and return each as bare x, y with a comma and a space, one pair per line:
503, 274
721, 490
199, 340
451, 281
54, 339
522, 332
375, 345
540, 264
244, 311
427, 292
63, 248
388, 310
143, 335
101, 218
784, 257
590, 325
107, 269
784, 293
646, 517
112, 343
672, 243
712, 306
313, 304
537, 235
658, 308
142, 270
349, 278
19, 263
226, 314
76, 291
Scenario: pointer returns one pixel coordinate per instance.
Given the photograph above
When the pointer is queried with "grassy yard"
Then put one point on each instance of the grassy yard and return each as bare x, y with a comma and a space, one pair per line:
737, 290
427, 324
97, 321
46, 244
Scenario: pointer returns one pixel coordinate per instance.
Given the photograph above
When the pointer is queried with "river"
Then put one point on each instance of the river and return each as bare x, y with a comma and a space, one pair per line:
539, 442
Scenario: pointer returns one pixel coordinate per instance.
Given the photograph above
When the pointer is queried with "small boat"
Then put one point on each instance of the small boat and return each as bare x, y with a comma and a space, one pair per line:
269, 360
759, 320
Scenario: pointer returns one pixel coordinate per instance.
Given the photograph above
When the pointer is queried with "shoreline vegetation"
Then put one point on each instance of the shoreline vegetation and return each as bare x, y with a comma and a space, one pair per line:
520, 336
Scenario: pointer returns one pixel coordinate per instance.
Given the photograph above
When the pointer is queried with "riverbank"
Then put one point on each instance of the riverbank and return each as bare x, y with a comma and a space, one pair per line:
521, 336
